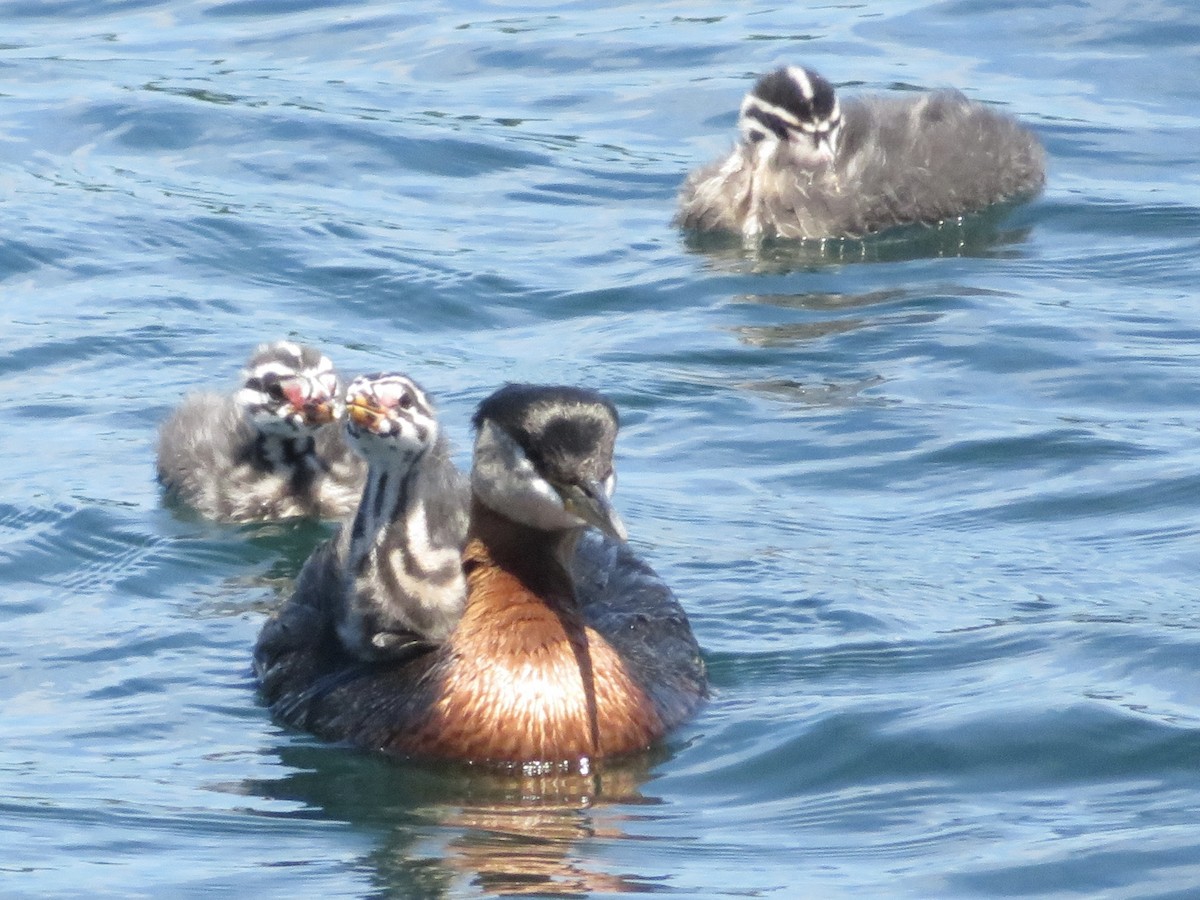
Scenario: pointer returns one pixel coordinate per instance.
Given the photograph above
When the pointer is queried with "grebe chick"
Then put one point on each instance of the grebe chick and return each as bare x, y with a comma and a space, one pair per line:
568, 650
270, 451
398, 564
810, 166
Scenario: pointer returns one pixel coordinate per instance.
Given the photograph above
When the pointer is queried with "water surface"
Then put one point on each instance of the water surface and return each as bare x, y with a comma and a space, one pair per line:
931, 502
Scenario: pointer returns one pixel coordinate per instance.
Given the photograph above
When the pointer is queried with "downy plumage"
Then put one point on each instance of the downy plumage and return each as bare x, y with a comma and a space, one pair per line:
811, 166
270, 451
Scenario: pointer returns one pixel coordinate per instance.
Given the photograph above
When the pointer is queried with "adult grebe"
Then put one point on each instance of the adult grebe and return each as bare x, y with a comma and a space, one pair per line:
569, 649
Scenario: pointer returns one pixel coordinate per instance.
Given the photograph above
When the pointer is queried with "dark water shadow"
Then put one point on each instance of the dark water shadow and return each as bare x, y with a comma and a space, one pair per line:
439, 827
988, 234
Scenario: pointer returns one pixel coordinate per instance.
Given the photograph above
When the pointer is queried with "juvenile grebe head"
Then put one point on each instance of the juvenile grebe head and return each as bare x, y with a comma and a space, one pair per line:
795, 109
543, 457
289, 390
389, 418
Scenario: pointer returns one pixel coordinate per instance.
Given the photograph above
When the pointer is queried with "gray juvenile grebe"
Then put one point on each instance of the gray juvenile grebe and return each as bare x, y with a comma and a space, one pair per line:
810, 166
398, 565
569, 648
268, 452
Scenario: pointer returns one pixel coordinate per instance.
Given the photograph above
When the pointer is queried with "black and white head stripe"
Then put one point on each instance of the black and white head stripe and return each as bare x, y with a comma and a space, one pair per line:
386, 409
287, 357
288, 381
790, 102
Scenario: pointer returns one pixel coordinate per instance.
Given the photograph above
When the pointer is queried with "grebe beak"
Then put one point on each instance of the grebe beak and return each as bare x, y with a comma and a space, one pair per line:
319, 412
363, 413
589, 501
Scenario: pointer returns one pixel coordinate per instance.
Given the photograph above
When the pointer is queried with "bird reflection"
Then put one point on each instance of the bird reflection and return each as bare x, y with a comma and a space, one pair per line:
827, 313
981, 235
827, 395
821, 314
533, 846
442, 829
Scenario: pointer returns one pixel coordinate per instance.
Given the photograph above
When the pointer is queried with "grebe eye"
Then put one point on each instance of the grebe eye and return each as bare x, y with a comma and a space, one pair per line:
405, 401
274, 389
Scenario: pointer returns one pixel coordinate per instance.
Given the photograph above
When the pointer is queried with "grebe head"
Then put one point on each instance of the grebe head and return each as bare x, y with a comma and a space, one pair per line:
543, 457
289, 390
389, 418
792, 108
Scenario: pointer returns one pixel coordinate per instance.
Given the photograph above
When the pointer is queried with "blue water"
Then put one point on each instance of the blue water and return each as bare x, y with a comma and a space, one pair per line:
932, 503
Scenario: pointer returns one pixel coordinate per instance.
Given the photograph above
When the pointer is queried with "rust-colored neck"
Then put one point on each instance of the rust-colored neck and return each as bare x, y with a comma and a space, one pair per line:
521, 605
532, 556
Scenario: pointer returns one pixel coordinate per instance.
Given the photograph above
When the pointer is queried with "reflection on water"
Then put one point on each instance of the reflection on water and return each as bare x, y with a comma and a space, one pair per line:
824, 313
439, 826
267, 557
944, 572
827, 301
979, 236
524, 847
811, 328
824, 395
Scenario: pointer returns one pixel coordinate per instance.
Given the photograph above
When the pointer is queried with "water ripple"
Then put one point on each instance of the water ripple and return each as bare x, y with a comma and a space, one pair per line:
929, 498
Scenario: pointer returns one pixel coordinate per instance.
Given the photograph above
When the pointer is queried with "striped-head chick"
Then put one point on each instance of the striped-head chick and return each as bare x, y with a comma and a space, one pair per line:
793, 110
402, 588
544, 457
289, 390
389, 418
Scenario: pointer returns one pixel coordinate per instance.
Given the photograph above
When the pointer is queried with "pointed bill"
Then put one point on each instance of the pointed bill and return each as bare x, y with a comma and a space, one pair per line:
590, 502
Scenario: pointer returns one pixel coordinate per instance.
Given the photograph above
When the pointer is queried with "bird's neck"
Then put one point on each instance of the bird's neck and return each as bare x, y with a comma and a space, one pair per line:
539, 560
387, 502
522, 617
274, 452
523, 677
292, 457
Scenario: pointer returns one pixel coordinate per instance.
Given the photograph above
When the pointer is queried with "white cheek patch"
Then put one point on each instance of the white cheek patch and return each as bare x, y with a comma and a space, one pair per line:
391, 443
504, 479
